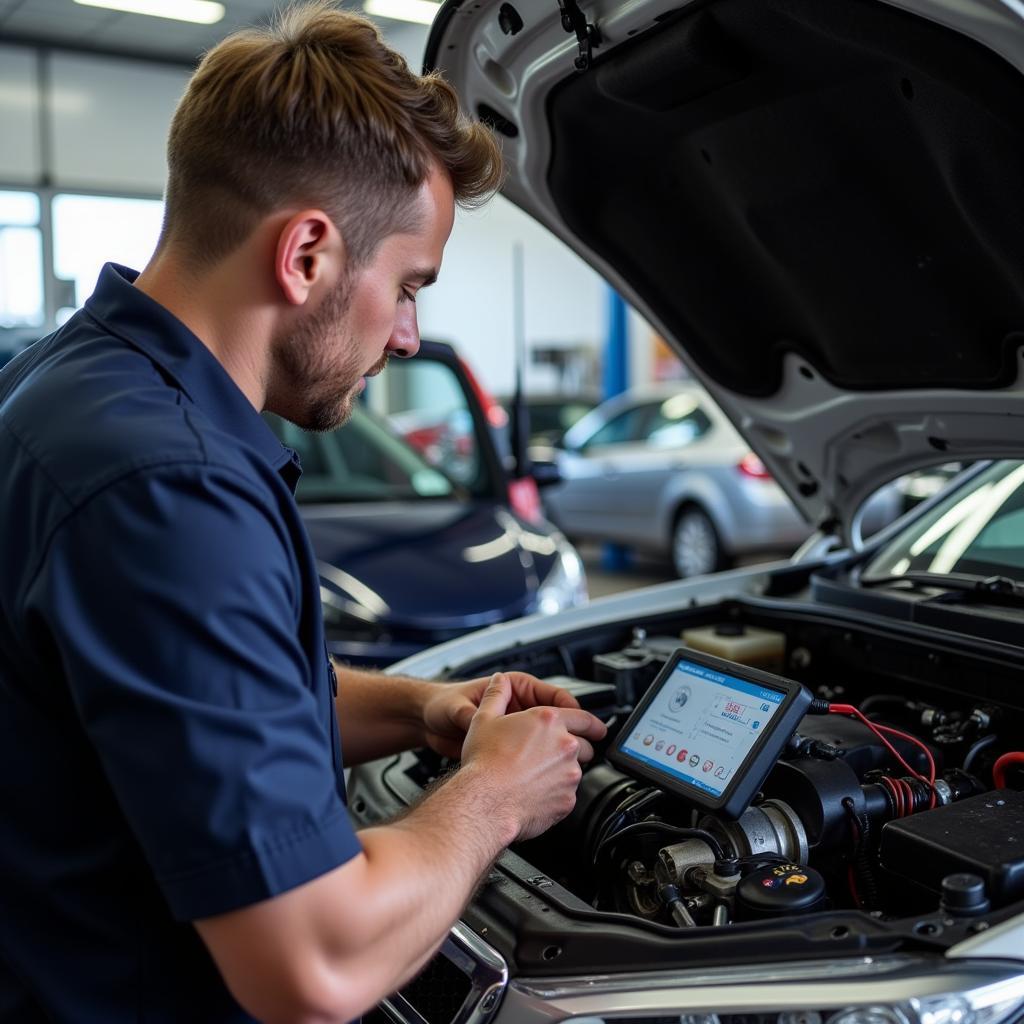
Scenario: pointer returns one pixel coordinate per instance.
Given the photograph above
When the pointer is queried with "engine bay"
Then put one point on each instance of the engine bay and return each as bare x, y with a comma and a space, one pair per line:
893, 816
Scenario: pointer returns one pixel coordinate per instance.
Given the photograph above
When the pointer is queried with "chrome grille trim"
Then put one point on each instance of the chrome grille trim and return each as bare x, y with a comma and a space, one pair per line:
483, 965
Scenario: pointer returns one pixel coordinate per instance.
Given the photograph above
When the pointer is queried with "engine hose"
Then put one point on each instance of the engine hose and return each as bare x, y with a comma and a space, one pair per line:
659, 828
976, 749
901, 795
922, 794
1004, 762
624, 814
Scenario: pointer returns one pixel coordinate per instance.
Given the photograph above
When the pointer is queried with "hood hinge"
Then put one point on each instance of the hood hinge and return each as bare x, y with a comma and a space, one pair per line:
587, 36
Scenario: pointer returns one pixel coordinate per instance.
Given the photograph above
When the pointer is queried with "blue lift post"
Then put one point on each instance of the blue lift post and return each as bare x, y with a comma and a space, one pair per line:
615, 557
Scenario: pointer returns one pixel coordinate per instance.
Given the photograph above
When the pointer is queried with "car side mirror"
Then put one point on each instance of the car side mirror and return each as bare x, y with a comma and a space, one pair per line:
544, 467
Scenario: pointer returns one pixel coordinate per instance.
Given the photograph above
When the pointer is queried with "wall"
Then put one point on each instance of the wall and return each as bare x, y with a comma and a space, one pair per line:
104, 126
473, 303
104, 129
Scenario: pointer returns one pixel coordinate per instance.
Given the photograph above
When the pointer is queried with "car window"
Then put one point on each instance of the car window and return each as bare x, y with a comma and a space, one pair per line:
678, 421
628, 425
976, 530
424, 402
550, 420
360, 461
899, 496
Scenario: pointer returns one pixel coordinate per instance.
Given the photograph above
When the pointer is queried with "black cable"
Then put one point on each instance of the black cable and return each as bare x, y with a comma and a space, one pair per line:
976, 748
867, 883
754, 861
633, 804
660, 826
884, 698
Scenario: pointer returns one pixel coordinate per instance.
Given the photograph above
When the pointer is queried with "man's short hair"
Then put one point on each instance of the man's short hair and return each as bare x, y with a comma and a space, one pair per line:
314, 111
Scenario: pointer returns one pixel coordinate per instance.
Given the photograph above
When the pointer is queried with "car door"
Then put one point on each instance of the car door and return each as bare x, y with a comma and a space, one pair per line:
621, 473
677, 440
434, 404
592, 500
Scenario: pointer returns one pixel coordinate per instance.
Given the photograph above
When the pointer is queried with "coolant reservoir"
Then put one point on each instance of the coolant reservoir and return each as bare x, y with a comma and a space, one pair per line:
747, 645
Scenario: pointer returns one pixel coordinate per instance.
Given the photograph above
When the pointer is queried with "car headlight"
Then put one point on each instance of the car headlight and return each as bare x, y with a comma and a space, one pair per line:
565, 585
884, 990
348, 620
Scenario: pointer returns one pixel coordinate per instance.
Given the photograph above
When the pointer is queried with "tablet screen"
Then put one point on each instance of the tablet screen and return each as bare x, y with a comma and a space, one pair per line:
702, 725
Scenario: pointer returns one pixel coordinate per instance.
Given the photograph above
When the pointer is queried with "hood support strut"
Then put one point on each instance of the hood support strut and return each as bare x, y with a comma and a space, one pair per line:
587, 36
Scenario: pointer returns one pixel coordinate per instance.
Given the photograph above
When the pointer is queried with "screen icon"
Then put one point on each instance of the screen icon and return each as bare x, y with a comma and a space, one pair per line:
694, 760
707, 766
648, 740
670, 750
682, 755
679, 698
660, 745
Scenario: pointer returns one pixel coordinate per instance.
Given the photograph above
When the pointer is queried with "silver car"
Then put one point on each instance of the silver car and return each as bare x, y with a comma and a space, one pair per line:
662, 469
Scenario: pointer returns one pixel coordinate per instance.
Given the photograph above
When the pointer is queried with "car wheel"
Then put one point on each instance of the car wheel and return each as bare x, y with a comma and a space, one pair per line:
696, 549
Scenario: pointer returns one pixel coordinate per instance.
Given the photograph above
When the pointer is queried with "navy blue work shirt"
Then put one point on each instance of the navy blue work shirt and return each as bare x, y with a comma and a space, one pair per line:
168, 742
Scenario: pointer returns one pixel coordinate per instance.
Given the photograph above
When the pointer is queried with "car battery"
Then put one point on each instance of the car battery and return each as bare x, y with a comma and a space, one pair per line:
983, 835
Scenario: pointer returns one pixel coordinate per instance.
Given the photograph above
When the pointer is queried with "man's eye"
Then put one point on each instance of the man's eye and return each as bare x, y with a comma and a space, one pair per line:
407, 296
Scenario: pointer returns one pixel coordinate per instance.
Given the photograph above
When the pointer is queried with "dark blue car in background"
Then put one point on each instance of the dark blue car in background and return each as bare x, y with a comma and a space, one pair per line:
417, 540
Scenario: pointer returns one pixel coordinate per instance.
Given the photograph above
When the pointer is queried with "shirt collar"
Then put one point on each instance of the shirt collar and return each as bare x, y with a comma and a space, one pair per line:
141, 321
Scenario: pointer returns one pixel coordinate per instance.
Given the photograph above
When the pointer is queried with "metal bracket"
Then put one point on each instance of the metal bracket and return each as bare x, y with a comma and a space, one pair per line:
587, 36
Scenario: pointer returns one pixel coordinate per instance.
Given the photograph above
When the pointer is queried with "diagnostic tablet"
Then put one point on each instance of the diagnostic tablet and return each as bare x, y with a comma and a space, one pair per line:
710, 730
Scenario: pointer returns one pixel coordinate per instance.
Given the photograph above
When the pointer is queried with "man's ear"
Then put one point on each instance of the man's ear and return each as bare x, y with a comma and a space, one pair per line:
310, 254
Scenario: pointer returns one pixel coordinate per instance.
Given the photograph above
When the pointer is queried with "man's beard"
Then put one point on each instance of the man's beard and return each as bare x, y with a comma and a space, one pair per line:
319, 391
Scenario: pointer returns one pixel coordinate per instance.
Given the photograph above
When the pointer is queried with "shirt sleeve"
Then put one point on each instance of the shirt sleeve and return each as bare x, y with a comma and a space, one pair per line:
173, 601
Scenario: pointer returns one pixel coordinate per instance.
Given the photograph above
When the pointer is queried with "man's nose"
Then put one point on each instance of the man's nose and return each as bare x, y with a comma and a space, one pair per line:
405, 337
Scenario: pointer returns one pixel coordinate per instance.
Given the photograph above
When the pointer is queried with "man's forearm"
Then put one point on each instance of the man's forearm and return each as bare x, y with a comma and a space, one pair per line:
378, 714
328, 950
429, 862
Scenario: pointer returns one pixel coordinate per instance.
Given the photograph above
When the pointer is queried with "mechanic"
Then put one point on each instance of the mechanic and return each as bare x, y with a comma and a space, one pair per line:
176, 845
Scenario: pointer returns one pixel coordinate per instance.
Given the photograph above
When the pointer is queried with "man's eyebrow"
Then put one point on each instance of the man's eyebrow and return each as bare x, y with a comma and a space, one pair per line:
425, 276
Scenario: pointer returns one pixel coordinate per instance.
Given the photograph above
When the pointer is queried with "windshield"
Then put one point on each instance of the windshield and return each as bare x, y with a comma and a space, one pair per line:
361, 461
978, 530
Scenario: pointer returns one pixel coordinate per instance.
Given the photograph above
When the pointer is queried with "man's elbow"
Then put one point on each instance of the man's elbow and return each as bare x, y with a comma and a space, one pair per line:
308, 993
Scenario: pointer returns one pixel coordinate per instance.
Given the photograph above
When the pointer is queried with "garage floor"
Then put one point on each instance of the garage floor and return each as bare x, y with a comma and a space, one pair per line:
641, 571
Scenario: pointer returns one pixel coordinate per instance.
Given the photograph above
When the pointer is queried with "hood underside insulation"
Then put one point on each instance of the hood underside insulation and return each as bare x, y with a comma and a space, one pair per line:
835, 178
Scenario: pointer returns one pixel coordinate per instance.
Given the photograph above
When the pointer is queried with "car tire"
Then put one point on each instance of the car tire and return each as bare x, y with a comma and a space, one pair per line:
695, 545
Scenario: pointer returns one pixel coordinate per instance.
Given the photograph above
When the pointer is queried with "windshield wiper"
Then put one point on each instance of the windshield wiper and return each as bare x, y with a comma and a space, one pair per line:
959, 588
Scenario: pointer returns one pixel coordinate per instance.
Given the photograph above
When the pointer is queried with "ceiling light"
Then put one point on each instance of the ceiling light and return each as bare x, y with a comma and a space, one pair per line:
202, 12
420, 11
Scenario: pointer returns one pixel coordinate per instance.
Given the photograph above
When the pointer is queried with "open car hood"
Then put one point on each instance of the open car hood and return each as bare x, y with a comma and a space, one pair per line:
818, 203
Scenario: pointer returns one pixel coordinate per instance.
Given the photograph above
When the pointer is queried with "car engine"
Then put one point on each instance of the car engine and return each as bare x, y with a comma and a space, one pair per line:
847, 817
895, 814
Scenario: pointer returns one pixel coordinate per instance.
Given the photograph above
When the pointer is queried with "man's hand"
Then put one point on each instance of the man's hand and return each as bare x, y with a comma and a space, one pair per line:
449, 709
528, 760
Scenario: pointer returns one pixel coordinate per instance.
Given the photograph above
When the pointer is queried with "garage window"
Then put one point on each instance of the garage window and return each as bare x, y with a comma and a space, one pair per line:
21, 261
89, 231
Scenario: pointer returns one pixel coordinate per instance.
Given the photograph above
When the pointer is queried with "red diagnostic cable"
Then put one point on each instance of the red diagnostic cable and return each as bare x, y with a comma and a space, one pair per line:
999, 768
905, 803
